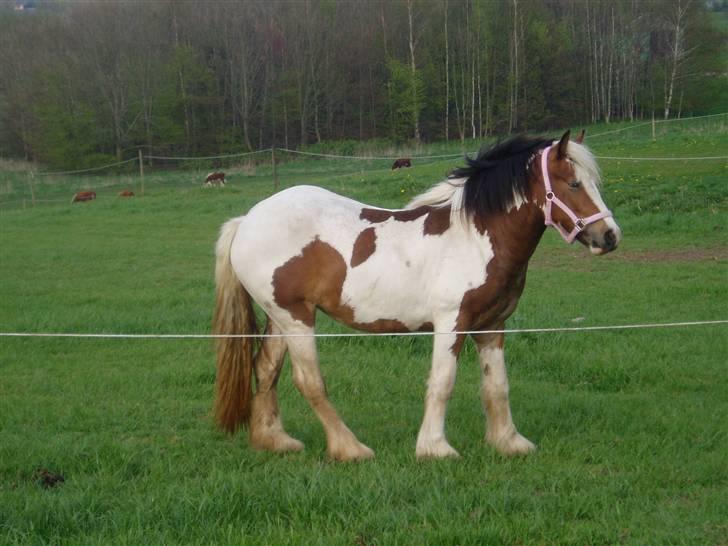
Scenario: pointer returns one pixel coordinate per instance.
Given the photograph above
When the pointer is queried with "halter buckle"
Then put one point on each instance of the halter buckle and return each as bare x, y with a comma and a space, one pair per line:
579, 224
550, 196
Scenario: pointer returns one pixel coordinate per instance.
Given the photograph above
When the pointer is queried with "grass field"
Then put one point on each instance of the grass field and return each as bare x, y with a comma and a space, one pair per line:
631, 425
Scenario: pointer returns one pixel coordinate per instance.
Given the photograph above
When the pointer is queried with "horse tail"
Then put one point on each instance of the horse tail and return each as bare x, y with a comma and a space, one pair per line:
233, 315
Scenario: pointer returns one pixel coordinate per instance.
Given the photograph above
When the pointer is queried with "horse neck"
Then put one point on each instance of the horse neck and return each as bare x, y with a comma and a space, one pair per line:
514, 234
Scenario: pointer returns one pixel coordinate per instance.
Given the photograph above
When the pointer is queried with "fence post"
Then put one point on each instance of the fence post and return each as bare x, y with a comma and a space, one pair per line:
275, 171
30, 184
141, 170
653, 126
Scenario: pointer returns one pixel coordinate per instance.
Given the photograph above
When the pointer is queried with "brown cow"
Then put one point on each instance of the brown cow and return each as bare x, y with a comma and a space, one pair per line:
402, 162
214, 178
83, 196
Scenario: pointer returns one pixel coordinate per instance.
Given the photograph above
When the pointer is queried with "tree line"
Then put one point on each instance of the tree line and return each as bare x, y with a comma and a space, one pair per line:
86, 82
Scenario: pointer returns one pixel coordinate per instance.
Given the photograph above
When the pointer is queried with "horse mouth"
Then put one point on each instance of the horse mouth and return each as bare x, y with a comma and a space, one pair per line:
597, 250
599, 246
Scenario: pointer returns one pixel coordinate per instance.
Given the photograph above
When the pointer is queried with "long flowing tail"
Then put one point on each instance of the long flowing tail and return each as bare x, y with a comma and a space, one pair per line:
233, 315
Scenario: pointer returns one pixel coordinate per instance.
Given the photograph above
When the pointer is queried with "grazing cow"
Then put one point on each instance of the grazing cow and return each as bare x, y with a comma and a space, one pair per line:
126, 193
214, 178
402, 162
83, 196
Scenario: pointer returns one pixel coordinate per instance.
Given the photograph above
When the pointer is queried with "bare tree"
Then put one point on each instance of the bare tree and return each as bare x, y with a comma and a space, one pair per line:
676, 23
413, 65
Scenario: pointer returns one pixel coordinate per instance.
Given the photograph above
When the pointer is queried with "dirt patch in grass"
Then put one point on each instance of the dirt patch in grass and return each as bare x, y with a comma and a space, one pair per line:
553, 257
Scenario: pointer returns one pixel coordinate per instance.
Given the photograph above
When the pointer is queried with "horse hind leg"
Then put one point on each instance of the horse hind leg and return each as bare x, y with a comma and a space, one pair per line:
266, 428
342, 444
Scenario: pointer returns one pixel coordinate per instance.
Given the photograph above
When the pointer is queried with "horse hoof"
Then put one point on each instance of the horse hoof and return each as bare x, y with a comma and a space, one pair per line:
280, 443
358, 452
515, 444
436, 450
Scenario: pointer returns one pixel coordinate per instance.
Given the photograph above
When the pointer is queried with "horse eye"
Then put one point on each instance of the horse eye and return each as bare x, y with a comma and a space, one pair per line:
574, 185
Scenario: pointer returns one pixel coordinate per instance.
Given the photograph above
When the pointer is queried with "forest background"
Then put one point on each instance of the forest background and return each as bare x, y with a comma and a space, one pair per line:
85, 83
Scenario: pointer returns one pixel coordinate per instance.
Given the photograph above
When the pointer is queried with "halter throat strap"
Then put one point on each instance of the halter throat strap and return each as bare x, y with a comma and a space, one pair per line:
551, 199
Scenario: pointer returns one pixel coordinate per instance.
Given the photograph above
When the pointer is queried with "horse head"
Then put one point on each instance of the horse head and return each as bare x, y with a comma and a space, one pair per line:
571, 199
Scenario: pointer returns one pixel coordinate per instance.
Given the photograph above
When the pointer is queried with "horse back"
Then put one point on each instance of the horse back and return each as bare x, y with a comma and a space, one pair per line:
373, 269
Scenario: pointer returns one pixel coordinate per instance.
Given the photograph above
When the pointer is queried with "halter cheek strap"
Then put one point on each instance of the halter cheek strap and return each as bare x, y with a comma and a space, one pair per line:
551, 199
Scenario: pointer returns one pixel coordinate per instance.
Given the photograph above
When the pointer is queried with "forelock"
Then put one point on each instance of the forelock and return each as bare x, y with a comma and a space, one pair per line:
583, 160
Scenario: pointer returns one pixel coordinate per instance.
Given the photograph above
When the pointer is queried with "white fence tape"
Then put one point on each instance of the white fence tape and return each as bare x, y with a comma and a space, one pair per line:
367, 334
370, 158
724, 157
181, 158
656, 122
87, 170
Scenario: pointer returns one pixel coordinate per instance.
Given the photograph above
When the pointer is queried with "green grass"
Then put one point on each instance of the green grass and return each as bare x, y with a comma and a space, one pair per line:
630, 425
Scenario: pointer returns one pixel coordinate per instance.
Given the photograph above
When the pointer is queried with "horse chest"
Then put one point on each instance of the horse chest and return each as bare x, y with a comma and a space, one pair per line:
493, 302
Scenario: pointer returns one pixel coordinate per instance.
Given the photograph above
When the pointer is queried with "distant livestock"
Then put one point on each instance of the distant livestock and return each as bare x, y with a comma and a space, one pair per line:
83, 196
402, 162
126, 193
214, 179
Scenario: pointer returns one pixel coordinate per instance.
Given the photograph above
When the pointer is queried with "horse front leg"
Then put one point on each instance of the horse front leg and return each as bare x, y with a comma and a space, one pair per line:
501, 433
431, 441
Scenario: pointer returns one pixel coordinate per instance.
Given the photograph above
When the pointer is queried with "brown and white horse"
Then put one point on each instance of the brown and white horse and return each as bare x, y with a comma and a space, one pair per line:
454, 260
214, 178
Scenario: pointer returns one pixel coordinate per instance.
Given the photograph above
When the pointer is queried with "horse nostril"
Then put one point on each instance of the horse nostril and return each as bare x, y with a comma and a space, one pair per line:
610, 239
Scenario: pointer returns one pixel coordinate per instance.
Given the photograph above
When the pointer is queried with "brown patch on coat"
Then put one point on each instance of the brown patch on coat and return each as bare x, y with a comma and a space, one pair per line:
513, 237
437, 221
315, 279
364, 246
409, 215
376, 216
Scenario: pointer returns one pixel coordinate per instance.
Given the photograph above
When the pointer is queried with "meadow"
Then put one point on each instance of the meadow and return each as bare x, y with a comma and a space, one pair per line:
630, 424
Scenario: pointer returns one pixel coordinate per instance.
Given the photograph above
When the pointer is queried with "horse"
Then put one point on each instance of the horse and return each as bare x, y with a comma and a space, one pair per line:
126, 193
83, 196
452, 262
213, 178
402, 162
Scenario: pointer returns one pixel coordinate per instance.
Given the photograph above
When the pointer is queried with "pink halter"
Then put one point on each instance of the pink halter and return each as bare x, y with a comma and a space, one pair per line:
579, 223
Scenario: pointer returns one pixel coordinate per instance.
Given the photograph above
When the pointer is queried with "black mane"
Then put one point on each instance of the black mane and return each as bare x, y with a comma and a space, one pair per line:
498, 174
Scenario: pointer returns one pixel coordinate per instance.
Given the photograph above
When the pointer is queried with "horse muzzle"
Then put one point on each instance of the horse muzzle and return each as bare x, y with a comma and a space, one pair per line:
601, 238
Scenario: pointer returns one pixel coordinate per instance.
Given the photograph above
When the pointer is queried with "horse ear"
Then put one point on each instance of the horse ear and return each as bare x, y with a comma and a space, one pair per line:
561, 147
580, 138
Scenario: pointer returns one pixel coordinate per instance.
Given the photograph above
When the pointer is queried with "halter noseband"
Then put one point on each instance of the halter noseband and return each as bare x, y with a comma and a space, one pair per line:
579, 223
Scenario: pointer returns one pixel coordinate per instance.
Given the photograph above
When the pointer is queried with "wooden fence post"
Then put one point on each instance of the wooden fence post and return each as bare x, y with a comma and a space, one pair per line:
141, 170
653, 126
275, 171
32, 190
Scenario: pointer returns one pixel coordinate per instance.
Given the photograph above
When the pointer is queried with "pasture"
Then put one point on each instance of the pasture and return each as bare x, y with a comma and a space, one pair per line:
630, 425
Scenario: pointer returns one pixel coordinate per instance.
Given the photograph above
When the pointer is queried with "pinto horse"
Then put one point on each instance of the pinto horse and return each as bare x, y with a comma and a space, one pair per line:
453, 261
217, 177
